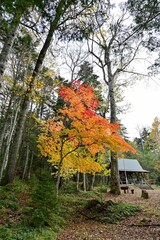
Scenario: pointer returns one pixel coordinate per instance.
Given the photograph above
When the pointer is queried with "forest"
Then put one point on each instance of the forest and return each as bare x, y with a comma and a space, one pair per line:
64, 66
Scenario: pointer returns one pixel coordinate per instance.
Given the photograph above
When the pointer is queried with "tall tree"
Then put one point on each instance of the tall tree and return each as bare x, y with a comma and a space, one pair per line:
147, 146
22, 58
87, 75
114, 47
13, 157
141, 140
154, 136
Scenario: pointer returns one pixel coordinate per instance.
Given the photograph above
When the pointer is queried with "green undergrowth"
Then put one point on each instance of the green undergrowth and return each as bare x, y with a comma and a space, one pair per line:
32, 211
92, 206
109, 211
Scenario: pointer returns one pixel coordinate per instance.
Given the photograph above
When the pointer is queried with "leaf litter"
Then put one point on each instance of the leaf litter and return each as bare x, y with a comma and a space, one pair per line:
142, 225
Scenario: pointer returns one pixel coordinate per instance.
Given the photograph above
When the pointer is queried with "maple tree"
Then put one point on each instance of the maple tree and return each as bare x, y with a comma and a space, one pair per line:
77, 133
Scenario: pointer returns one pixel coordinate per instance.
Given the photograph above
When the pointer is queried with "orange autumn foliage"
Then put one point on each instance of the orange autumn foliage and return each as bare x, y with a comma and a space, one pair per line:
73, 137
95, 131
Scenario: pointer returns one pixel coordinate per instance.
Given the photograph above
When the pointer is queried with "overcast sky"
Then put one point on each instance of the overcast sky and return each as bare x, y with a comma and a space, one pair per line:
145, 106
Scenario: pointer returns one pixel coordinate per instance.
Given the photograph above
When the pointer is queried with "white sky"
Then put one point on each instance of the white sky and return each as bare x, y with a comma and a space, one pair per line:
145, 100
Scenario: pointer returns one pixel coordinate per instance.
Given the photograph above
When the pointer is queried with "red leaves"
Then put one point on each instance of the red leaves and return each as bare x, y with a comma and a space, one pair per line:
81, 95
95, 131
62, 92
89, 113
75, 83
94, 103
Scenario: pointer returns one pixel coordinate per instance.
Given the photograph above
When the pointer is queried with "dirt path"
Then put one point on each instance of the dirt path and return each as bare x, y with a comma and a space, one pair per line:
82, 229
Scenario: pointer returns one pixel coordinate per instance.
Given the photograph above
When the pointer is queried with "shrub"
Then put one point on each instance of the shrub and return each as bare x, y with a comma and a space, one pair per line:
43, 210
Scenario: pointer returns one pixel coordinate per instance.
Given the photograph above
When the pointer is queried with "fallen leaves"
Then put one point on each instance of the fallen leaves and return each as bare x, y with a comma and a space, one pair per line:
92, 230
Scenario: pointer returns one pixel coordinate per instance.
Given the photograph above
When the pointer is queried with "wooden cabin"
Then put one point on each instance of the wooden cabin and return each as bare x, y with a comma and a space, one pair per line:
131, 172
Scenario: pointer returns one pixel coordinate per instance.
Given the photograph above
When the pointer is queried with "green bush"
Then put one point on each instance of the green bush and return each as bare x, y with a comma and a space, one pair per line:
5, 233
44, 209
18, 186
21, 232
25, 233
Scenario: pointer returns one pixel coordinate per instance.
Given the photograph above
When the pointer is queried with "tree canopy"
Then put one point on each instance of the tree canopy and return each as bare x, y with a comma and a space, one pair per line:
77, 133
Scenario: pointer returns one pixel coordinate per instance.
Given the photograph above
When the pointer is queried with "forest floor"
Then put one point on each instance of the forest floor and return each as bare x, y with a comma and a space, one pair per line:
142, 225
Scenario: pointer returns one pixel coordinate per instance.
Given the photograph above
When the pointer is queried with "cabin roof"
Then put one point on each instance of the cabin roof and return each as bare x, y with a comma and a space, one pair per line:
130, 165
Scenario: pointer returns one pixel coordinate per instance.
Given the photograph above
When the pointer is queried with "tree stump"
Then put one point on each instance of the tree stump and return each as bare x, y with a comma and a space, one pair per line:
145, 194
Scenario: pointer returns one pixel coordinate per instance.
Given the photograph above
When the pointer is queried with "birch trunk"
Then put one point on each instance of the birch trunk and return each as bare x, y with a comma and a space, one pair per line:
8, 144
7, 115
9, 42
84, 182
93, 181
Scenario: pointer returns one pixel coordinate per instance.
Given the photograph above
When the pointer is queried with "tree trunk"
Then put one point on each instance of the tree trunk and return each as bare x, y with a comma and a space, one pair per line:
58, 179
13, 157
115, 188
3, 135
7, 116
5, 159
26, 162
9, 42
77, 181
84, 182
93, 181
30, 167
114, 185
17, 139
